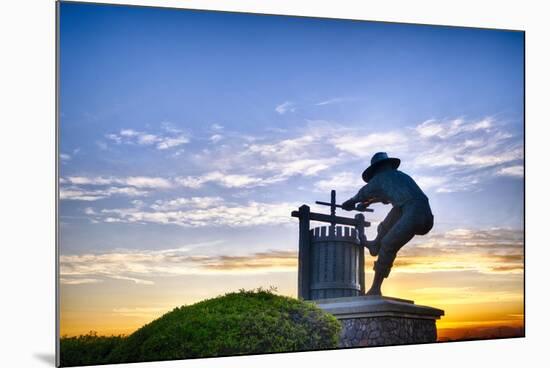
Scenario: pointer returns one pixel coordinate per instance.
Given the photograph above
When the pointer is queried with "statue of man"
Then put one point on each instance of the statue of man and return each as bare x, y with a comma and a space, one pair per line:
411, 213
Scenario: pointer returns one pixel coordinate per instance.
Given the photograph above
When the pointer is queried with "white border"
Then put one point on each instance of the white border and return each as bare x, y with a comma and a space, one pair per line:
27, 192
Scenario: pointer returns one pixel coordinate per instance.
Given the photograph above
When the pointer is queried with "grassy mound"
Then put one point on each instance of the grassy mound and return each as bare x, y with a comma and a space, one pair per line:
87, 349
246, 322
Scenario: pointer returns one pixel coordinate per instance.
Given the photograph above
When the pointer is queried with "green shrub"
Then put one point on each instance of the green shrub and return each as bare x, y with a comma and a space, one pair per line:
246, 322
87, 349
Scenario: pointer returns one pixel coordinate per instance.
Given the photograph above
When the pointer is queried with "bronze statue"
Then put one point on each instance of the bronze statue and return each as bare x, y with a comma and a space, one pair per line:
411, 213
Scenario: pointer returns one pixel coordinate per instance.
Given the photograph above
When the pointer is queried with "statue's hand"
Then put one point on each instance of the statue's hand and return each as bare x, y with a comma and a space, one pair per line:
361, 206
349, 205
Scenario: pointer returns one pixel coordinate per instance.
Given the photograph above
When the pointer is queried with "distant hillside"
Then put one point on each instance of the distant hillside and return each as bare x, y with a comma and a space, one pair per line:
479, 333
246, 322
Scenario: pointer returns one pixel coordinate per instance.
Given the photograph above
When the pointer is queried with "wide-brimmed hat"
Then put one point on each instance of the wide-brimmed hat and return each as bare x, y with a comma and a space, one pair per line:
376, 161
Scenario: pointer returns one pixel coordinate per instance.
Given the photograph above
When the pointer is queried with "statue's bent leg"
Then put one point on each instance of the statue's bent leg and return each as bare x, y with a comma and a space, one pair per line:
400, 234
397, 236
391, 219
416, 219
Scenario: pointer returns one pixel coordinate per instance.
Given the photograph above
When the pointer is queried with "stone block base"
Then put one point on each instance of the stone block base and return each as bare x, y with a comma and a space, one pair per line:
380, 331
379, 321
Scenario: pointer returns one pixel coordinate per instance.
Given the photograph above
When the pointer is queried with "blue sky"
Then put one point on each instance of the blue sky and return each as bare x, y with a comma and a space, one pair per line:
196, 133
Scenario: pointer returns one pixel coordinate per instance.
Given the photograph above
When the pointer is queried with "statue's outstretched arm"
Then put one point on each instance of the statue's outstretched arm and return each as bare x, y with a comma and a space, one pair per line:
366, 196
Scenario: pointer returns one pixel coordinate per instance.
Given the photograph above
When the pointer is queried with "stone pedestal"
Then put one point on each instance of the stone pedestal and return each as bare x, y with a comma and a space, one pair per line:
378, 321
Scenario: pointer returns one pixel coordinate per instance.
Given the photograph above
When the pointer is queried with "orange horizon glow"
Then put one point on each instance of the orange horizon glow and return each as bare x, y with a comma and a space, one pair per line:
464, 308
118, 292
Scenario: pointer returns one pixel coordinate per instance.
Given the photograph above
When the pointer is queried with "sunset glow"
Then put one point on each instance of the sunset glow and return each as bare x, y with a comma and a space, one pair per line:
187, 138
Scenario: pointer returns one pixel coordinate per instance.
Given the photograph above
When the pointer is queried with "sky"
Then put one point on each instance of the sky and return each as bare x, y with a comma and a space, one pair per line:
187, 138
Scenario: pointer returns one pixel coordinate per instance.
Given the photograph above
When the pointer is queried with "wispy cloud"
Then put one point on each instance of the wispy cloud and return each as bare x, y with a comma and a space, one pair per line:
133, 279
161, 141
183, 203
240, 163
198, 212
488, 251
515, 171
281, 260
147, 182
166, 142
140, 267
461, 144
134, 181
306, 155
78, 281
445, 129
224, 180
336, 100
82, 194
342, 181
445, 156
92, 188
64, 156
365, 145
493, 250
429, 182
285, 107
215, 138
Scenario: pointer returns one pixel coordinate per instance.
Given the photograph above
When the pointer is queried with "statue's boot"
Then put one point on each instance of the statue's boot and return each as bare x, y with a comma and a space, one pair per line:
374, 291
376, 288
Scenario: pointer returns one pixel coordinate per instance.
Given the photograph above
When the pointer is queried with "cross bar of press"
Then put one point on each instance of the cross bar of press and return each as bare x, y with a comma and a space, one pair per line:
340, 206
327, 218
